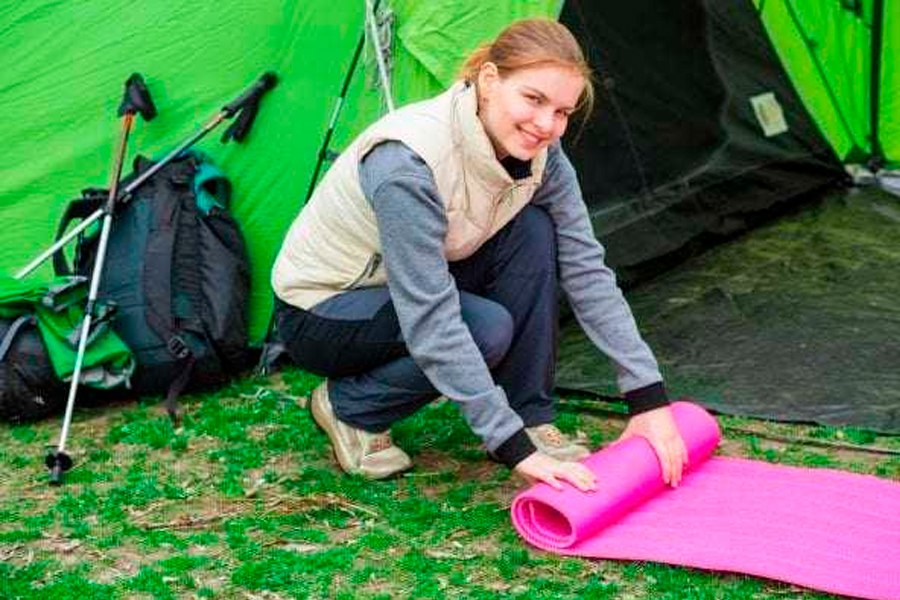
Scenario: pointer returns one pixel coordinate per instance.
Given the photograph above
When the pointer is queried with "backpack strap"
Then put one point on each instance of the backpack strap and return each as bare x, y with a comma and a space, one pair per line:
90, 202
158, 272
11, 333
177, 386
101, 321
174, 237
64, 292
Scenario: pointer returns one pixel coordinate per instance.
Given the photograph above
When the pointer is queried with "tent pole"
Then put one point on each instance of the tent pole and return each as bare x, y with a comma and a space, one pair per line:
877, 159
379, 58
336, 111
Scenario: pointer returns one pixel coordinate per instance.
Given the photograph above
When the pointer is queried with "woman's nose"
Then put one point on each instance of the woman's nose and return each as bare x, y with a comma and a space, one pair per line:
543, 121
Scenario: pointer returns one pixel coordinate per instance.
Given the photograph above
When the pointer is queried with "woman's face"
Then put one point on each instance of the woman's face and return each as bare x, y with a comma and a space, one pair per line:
527, 110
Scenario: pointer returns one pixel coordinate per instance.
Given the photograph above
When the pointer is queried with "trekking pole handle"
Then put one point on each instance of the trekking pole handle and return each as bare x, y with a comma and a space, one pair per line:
252, 95
137, 98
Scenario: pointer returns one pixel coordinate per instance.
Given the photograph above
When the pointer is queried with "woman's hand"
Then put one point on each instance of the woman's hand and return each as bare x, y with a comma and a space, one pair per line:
657, 426
541, 467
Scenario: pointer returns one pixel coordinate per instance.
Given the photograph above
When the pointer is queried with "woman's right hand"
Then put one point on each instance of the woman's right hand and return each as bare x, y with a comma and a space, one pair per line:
541, 467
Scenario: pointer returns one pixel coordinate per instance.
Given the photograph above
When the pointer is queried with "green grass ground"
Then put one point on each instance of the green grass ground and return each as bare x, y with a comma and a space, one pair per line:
244, 501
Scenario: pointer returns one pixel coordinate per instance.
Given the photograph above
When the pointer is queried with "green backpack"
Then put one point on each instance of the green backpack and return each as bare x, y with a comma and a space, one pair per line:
39, 332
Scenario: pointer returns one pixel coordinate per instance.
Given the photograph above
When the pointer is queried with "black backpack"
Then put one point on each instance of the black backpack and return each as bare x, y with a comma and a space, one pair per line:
29, 387
176, 268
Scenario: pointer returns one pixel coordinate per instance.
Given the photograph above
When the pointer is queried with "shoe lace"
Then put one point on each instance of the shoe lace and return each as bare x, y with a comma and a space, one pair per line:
380, 441
552, 436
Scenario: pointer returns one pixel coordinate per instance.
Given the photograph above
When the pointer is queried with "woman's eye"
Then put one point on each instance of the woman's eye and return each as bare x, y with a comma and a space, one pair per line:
536, 100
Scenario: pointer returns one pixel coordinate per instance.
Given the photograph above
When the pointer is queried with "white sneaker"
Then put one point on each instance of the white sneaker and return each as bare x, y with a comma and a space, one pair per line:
372, 455
550, 440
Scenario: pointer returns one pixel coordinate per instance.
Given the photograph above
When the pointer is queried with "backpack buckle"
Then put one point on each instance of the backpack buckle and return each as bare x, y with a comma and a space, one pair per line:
178, 347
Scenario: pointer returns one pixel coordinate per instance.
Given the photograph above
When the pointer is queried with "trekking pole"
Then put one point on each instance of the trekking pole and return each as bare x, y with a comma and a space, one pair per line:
335, 113
245, 106
137, 100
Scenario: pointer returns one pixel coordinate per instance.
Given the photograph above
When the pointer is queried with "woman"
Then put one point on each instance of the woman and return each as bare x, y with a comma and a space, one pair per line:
428, 260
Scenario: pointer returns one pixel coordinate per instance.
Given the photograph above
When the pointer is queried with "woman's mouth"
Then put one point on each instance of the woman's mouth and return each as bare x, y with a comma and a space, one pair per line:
531, 139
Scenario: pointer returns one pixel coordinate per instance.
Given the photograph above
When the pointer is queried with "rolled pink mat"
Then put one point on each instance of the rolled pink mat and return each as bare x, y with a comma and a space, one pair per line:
821, 528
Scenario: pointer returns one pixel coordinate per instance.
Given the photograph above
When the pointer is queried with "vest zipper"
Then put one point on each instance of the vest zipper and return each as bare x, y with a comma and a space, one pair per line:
371, 266
374, 263
511, 191
495, 206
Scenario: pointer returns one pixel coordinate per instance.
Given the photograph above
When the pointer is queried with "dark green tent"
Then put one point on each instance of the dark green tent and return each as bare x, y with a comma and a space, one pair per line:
716, 117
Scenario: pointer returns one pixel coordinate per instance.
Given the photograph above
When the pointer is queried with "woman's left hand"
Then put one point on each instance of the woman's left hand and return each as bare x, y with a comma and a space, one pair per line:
658, 427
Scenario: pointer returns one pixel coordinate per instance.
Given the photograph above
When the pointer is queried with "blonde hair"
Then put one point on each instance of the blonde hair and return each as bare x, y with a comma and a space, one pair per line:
533, 43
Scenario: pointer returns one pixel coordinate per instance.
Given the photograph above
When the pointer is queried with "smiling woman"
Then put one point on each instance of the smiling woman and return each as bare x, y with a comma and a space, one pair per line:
428, 260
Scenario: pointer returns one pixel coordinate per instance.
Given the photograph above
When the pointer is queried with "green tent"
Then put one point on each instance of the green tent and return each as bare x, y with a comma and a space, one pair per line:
63, 65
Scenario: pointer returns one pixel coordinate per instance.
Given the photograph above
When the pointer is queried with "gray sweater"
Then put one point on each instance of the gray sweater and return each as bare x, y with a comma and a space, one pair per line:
401, 189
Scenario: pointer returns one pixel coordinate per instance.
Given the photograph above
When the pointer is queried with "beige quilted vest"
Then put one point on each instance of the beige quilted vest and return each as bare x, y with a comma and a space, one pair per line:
333, 244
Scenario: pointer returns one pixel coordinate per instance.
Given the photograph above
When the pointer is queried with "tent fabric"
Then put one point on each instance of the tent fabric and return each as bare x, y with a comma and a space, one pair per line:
792, 323
795, 321
890, 83
674, 154
842, 58
440, 35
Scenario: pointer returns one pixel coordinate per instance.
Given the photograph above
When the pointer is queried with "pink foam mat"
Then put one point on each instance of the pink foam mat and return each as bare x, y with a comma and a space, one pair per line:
824, 529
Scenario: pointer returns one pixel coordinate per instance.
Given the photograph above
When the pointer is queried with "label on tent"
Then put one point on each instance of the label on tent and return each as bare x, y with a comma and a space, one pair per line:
769, 114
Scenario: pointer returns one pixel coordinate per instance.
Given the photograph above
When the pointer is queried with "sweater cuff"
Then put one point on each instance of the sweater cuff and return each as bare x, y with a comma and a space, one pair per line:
515, 449
646, 398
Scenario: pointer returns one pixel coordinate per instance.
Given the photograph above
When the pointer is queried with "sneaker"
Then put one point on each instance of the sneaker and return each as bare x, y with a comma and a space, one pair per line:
550, 440
372, 455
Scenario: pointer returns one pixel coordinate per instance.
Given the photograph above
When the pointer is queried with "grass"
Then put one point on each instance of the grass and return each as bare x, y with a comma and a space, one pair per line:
244, 501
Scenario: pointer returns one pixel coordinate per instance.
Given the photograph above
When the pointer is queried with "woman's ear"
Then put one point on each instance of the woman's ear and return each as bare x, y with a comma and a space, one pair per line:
488, 79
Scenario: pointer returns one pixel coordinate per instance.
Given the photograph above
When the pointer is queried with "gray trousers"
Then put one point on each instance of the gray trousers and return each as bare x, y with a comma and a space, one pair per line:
508, 295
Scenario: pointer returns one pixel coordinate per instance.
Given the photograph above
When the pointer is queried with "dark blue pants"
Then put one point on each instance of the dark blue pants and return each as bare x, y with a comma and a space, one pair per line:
508, 295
